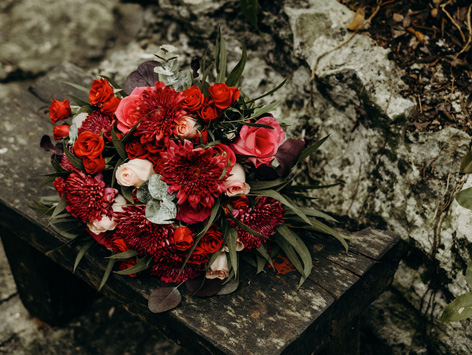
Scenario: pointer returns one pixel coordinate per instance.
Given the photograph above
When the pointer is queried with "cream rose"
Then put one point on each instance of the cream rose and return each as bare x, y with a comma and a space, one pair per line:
239, 246
219, 268
186, 128
134, 173
106, 223
236, 182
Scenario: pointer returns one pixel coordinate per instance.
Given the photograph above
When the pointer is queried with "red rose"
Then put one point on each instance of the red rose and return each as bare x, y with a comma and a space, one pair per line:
109, 106
223, 96
209, 112
183, 238
60, 131
240, 202
118, 245
189, 215
212, 240
193, 98
198, 257
59, 110
101, 91
89, 145
201, 137
127, 264
135, 150
94, 165
222, 149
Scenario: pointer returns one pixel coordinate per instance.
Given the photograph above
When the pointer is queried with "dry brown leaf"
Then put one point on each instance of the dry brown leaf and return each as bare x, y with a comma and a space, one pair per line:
398, 17
358, 21
417, 34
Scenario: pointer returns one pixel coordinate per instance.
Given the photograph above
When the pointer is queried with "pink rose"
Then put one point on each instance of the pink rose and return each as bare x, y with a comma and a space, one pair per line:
259, 143
186, 128
219, 268
125, 111
134, 173
236, 182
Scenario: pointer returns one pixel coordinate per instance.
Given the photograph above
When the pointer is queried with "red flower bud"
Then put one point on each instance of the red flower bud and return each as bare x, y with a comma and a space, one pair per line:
60, 131
59, 110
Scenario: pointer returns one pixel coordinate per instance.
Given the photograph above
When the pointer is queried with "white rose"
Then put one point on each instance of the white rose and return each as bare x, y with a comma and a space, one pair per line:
134, 172
219, 268
236, 182
106, 223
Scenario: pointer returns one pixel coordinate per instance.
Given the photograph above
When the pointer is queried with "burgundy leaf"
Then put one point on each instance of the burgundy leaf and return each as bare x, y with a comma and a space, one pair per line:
46, 144
203, 287
229, 287
164, 299
143, 76
287, 155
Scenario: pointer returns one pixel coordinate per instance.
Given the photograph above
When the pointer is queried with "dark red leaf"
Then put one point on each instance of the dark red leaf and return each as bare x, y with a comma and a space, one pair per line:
164, 299
143, 76
203, 287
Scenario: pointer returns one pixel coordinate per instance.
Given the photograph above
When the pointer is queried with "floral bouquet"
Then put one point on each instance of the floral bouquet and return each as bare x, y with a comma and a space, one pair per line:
179, 177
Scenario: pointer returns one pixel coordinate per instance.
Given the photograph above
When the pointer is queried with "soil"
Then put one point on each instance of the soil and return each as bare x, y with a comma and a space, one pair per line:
432, 41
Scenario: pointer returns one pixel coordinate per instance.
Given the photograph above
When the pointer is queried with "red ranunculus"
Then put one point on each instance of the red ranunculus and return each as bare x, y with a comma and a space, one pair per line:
212, 240
183, 239
60, 131
209, 112
109, 107
89, 145
223, 96
193, 99
94, 165
59, 110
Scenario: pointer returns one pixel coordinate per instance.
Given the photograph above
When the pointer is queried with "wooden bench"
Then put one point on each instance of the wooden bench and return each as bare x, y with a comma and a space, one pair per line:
266, 315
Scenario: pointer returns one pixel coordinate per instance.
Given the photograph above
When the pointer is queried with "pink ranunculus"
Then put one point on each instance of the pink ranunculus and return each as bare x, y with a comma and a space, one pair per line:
260, 143
236, 182
125, 111
186, 128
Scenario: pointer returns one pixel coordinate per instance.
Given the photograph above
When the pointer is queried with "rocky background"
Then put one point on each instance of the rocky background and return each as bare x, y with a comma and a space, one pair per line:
392, 177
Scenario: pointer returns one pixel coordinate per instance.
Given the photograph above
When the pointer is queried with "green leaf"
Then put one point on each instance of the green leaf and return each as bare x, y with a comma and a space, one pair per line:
82, 252
235, 75
250, 9
247, 228
297, 243
464, 198
318, 226
290, 254
85, 109
164, 299
141, 265
265, 254
78, 101
263, 185
113, 177
231, 244
78, 87
459, 309
468, 274
127, 192
61, 206
72, 158
275, 195
268, 93
118, 144
261, 262
65, 234
311, 212
258, 125
128, 135
466, 163
124, 255
266, 109
311, 149
107, 273
220, 58
250, 259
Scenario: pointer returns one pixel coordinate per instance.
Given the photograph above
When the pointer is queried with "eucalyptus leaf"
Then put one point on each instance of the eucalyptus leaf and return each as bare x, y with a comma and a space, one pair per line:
161, 212
459, 309
158, 188
143, 194
164, 299
229, 287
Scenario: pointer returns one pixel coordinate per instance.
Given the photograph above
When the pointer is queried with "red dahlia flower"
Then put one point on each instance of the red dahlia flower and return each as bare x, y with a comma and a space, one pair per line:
160, 110
88, 198
263, 218
141, 234
195, 174
97, 122
168, 262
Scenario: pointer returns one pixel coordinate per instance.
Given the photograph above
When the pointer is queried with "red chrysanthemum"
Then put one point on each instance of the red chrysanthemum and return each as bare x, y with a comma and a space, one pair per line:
88, 198
97, 122
141, 234
263, 218
169, 261
196, 175
159, 109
